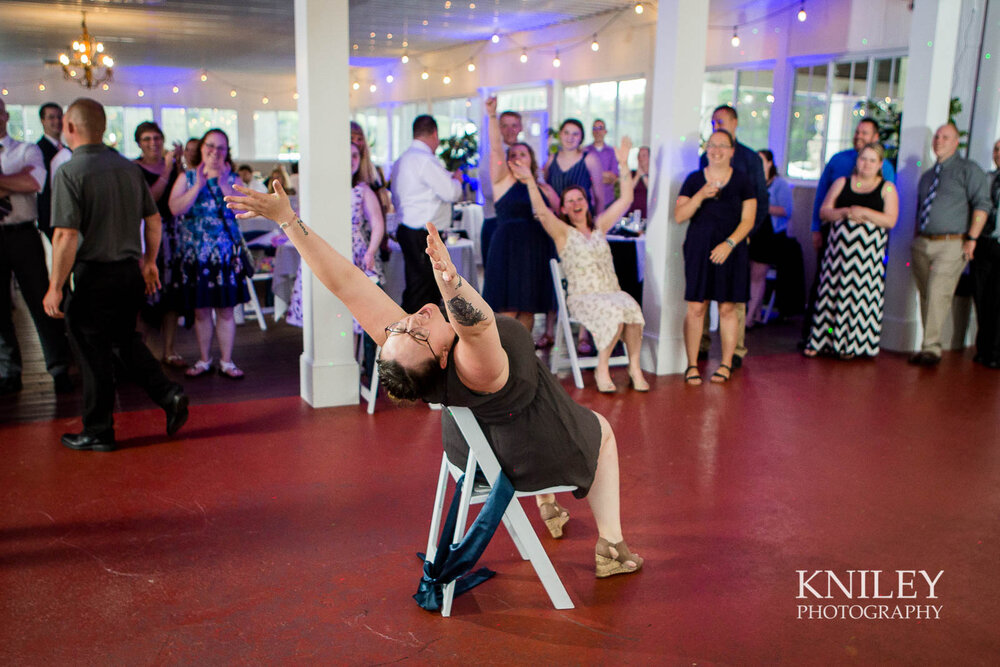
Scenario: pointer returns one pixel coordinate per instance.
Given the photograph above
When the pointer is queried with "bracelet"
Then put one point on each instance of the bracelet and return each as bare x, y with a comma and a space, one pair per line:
731, 243
971, 238
283, 225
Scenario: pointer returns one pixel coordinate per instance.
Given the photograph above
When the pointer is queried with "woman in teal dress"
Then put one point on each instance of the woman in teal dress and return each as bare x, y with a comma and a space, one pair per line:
208, 274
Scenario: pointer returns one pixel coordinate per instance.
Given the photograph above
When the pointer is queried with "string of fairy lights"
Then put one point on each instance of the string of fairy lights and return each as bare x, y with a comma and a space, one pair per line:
556, 51
801, 15
176, 85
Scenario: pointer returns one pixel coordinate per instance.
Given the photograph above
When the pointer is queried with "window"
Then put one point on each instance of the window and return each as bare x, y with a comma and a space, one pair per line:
120, 131
402, 127
620, 104
806, 124
181, 124
719, 88
276, 135
756, 95
828, 102
24, 124
454, 116
375, 123
523, 99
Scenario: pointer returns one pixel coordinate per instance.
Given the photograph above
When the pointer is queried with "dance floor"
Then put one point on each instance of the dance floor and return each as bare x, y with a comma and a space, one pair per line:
271, 533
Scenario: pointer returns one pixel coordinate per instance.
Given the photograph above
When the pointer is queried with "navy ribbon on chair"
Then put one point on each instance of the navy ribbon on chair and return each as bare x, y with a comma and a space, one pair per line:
452, 561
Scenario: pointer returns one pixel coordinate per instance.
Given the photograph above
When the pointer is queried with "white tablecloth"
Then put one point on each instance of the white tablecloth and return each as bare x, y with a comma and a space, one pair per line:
471, 223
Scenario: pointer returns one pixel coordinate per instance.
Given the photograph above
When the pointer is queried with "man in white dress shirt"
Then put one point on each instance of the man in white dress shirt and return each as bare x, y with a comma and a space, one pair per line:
422, 192
22, 176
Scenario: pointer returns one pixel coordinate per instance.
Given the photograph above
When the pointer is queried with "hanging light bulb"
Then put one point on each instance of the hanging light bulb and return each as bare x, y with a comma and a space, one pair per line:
356, 85
372, 88
389, 78
446, 79
524, 55
555, 61
105, 87
405, 58
204, 77
424, 75
471, 66
265, 100
638, 8
41, 87
175, 90
594, 46
802, 12
495, 38
4, 91
141, 93
232, 93
735, 41
295, 96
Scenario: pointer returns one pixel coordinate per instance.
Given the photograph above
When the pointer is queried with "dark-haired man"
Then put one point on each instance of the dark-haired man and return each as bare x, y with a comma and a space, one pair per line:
101, 196
986, 277
422, 192
51, 115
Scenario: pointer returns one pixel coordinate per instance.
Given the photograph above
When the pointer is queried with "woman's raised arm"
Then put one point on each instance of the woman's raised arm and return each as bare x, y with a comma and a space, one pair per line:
552, 225
371, 307
498, 158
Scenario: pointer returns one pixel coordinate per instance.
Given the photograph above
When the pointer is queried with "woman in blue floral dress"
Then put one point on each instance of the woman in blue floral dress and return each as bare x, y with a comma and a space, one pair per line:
208, 272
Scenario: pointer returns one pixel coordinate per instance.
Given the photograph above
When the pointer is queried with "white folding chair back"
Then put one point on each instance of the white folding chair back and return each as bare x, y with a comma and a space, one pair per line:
254, 304
765, 313
514, 519
369, 392
563, 353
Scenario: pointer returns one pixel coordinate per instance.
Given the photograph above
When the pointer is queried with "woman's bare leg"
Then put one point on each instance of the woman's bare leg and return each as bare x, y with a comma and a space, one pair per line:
632, 335
203, 329
225, 330
728, 332
169, 329
604, 492
602, 373
693, 324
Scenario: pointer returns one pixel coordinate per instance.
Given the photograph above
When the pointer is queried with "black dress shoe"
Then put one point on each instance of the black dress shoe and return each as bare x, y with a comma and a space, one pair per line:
737, 362
177, 411
916, 359
64, 385
930, 359
87, 442
10, 385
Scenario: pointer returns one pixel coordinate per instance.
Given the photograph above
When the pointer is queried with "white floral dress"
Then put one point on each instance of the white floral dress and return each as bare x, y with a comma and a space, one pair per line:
593, 294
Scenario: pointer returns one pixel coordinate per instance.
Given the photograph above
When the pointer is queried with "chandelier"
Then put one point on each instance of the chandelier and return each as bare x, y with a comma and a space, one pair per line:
88, 65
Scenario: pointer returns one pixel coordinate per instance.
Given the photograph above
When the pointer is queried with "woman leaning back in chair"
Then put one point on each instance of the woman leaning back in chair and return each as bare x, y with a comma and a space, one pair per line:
593, 294
541, 437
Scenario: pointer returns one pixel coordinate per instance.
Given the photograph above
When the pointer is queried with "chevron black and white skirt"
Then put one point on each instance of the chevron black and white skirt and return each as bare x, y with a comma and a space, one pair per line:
848, 316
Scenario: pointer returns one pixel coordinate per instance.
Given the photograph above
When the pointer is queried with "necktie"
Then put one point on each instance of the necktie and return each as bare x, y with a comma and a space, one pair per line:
925, 205
5, 205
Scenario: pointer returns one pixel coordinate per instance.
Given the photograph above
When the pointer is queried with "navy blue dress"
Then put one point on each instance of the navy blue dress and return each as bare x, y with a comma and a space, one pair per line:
517, 275
715, 220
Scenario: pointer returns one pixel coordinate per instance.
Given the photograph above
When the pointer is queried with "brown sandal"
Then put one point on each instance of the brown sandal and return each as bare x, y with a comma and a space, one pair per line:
612, 559
555, 517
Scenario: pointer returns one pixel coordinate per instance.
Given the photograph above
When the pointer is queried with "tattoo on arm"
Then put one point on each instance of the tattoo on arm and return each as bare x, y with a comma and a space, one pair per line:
459, 284
464, 312
302, 226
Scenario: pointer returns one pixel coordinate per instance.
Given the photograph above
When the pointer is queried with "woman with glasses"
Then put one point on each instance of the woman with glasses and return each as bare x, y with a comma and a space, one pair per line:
540, 435
721, 205
208, 272
160, 170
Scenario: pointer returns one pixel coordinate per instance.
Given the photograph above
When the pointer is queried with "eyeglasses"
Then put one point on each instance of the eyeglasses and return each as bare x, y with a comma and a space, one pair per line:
420, 335
214, 147
718, 146
599, 128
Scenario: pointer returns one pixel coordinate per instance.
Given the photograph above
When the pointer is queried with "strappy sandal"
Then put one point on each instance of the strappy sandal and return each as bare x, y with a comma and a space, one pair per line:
199, 368
693, 380
717, 374
228, 369
555, 517
644, 387
174, 360
612, 559
810, 352
608, 388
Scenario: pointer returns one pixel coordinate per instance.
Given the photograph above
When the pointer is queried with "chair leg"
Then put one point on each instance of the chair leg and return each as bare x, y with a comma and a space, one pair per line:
517, 523
256, 305
461, 520
442, 487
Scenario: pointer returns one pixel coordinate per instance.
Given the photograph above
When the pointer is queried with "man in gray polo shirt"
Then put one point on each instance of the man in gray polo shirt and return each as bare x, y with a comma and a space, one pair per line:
952, 203
102, 196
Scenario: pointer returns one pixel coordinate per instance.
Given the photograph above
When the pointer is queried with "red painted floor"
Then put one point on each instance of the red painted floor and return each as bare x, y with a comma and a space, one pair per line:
271, 533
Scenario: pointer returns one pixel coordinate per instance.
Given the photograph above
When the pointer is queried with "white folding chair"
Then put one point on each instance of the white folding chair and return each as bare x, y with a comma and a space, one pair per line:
563, 353
368, 392
254, 304
765, 313
514, 519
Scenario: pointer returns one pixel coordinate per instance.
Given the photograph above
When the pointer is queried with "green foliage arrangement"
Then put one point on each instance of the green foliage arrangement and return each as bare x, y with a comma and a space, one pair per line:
459, 152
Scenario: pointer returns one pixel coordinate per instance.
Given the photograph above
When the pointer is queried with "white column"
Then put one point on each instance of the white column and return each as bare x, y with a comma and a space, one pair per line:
933, 45
329, 373
985, 128
678, 75
784, 88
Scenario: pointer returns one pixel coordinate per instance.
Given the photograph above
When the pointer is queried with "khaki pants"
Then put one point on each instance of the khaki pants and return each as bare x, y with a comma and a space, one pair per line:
937, 266
741, 324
